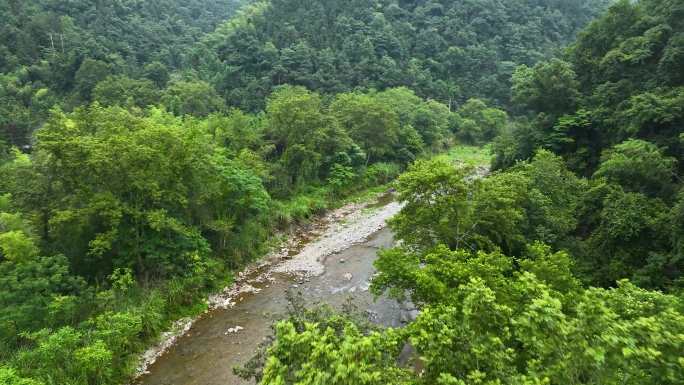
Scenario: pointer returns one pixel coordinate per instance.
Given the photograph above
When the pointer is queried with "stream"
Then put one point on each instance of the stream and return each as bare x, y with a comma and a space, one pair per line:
334, 267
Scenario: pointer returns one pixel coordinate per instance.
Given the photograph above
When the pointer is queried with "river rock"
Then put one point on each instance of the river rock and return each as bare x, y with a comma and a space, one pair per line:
234, 330
413, 315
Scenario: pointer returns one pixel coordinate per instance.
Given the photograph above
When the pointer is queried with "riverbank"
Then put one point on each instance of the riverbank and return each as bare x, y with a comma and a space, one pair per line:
302, 255
300, 258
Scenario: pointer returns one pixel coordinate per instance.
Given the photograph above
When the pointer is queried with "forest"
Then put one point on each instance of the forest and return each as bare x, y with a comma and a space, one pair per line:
564, 266
150, 150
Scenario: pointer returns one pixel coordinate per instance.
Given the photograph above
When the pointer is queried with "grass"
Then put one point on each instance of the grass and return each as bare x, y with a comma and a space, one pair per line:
365, 195
301, 207
471, 155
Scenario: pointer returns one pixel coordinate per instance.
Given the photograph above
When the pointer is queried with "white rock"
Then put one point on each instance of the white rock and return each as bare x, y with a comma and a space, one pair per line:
234, 330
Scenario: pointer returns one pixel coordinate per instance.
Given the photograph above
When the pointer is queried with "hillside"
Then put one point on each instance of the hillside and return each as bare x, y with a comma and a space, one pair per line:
54, 52
444, 50
612, 107
154, 152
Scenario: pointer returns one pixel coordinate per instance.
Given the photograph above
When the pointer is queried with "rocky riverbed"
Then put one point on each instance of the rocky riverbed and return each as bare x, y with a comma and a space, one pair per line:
330, 261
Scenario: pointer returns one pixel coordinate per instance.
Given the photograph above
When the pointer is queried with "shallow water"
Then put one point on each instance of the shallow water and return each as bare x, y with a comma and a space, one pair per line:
207, 354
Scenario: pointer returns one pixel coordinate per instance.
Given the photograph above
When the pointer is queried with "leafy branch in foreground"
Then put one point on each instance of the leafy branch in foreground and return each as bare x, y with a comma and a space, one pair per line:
485, 320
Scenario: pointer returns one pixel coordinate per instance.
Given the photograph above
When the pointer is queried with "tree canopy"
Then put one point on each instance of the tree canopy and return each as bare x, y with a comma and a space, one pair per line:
58, 52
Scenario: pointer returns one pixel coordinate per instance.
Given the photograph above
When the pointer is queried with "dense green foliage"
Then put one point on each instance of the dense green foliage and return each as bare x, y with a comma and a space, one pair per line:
563, 266
621, 79
533, 202
186, 56
484, 320
612, 108
131, 32
122, 218
445, 50
131, 184
55, 52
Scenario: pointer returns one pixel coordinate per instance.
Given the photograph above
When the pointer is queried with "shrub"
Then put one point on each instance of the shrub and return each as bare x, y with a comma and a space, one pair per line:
381, 173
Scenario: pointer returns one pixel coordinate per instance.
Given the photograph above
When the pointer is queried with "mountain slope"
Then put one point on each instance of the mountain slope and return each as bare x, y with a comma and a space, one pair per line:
54, 52
446, 50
